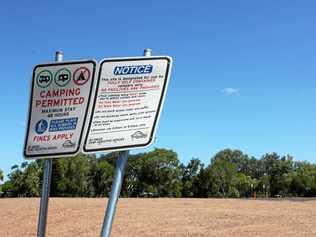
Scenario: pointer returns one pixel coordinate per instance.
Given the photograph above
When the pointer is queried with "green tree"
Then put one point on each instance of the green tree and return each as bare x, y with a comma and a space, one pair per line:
231, 173
59, 184
1, 179
223, 173
131, 184
189, 177
1, 175
31, 180
77, 177
102, 174
243, 184
16, 179
156, 172
72, 176
304, 179
236, 157
278, 170
25, 181
205, 184
6, 189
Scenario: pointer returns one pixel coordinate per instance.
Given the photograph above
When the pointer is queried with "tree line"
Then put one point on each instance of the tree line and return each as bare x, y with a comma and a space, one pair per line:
159, 173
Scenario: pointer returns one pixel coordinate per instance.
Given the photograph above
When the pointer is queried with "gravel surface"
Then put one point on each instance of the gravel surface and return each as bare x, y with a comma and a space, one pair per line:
163, 217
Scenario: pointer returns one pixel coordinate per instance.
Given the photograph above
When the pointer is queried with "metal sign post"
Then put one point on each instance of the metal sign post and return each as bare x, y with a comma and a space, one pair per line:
45, 198
46, 182
115, 193
116, 185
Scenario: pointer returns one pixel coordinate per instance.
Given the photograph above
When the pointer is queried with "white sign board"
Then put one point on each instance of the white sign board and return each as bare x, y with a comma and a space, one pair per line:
59, 101
127, 104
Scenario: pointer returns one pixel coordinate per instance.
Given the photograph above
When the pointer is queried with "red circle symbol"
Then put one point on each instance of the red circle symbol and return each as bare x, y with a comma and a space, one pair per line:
81, 76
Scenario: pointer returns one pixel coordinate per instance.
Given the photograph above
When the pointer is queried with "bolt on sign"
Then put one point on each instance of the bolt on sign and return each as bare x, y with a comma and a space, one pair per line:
60, 97
127, 104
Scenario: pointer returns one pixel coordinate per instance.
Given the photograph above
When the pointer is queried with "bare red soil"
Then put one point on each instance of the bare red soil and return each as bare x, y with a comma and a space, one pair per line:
163, 217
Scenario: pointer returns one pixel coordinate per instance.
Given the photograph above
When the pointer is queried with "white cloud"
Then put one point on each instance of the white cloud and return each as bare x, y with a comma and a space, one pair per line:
231, 91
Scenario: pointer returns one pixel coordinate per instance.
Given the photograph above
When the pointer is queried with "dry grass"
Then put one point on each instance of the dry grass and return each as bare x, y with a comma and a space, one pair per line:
163, 217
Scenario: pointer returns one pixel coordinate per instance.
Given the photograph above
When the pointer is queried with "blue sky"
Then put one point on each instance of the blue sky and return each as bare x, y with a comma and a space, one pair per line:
244, 72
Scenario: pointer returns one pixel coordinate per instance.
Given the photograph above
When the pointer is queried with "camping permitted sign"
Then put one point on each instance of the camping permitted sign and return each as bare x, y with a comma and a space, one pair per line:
60, 96
127, 104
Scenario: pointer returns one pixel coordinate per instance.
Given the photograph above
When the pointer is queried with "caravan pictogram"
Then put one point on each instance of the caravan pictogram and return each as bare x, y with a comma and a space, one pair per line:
62, 77
44, 79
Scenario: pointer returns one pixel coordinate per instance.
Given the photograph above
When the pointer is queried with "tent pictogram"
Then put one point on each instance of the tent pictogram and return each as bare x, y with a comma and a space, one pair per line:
81, 76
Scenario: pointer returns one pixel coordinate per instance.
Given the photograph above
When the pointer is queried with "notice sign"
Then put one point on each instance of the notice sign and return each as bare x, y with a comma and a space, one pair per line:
128, 101
58, 108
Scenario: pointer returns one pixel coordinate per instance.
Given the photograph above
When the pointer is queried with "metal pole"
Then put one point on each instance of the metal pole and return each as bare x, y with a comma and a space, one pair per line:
115, 193
116, 185
42, 219
59, 56
147, 52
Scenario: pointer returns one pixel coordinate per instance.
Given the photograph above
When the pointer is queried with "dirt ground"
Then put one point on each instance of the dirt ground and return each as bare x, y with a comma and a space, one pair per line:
163, 217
